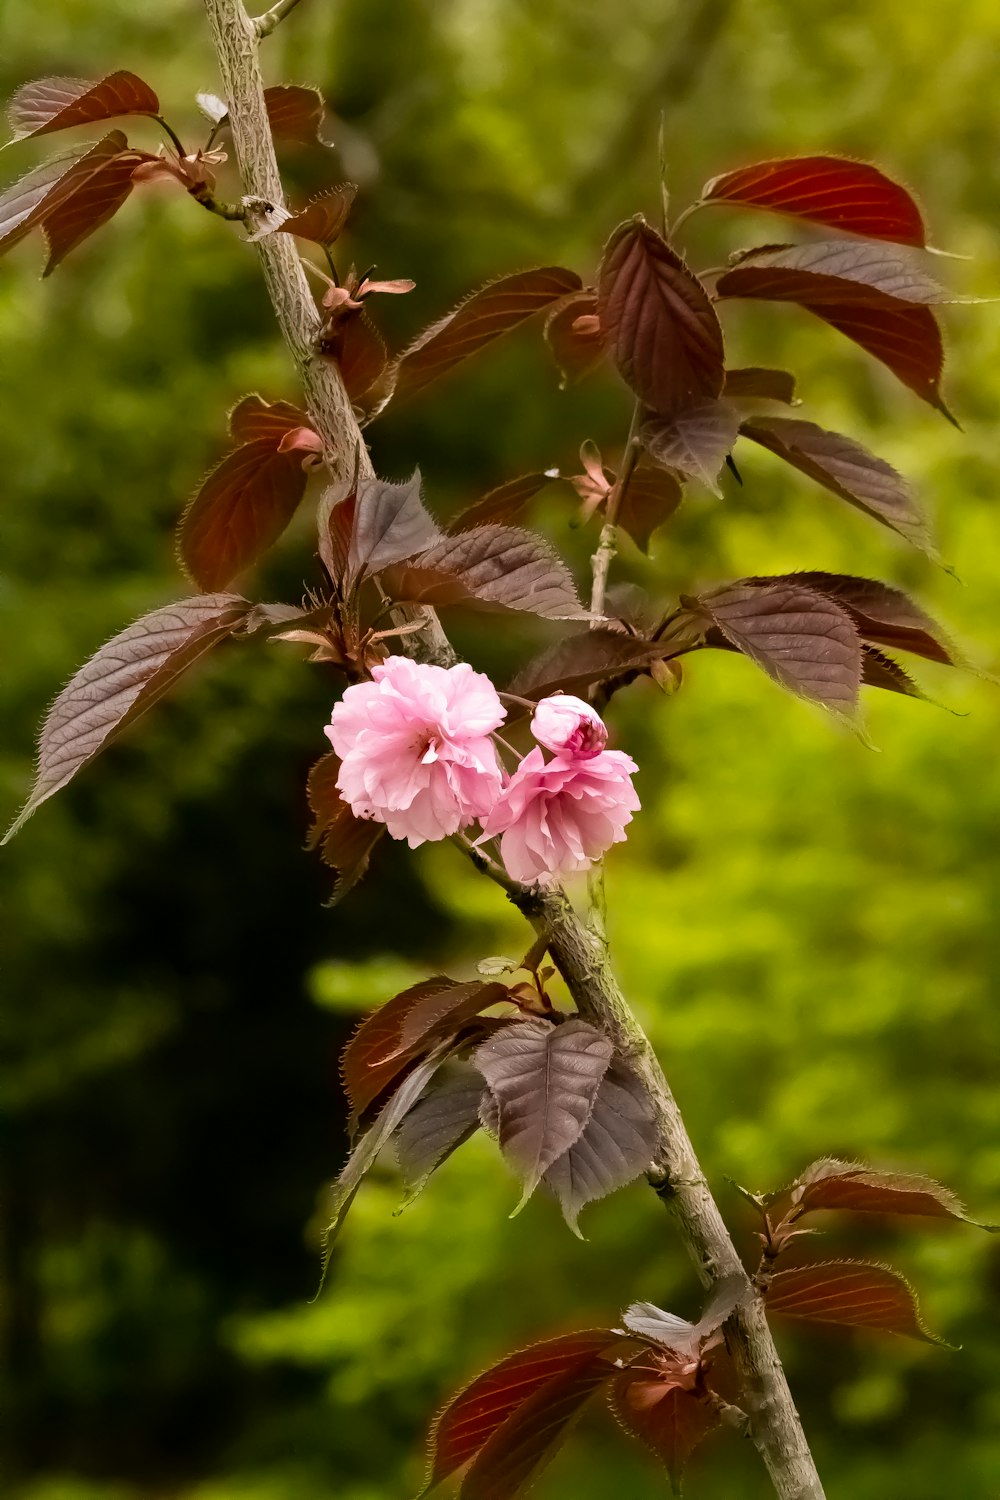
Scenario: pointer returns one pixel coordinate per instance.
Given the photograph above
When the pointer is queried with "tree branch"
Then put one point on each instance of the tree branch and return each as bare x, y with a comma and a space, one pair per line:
580, 955
264, 24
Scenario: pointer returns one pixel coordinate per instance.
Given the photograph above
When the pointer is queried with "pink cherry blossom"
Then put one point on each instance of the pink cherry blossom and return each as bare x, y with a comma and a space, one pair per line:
559, 816
569, 726
415, 748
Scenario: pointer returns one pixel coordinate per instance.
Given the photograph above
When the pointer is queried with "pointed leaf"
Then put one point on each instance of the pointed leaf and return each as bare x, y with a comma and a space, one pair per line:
884, 615
123, 680
545, 1080
618, 1143
239, 512
647, 1321
390, 524
95, 199
849, 195
579, 661
757, 384
296, 112
573, 333
471, 1418
843, 272
34, 198
852, 1186
696, 441
360, 351
846, 469
801, 638
668, 1419
881, 671
444, 1117
504, 503
253, 419
484, 316
59, 103
658, 322
345, 842
323, 217
23, 204
651, 497
850, 1292
501, 567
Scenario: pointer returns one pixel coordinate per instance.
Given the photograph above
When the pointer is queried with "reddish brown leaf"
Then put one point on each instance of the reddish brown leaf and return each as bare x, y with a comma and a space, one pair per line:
296, 112
651, 497
97, 198
345, 842
388, 1039
303, 440
544, 1079
493, 567
573, 333
757, 384
472, 1417
846, 273
253, 420
390, 524
801, 638
123, 680
239, 512
617, 1144
657, 321
885, 616
579, 661
695, 441
58, 185
484, 316
850, 1292
22, 205
670, 1420
849, 195
831, 1184
845, 468
323, 217
360, 351
58, 103
505, 503
881, 671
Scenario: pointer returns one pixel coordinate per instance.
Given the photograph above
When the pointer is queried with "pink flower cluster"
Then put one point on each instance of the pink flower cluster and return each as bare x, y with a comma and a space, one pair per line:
416, 754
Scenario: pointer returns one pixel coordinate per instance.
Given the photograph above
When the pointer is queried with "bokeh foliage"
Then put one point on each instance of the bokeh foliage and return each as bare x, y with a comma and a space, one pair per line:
807, 927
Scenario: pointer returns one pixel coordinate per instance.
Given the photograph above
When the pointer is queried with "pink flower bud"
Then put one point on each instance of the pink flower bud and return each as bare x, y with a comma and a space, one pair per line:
415, 748
568, 726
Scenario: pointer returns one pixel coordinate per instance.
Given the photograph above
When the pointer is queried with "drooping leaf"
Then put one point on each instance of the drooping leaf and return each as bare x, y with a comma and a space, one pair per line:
390, 524
388, 1039
514, 1455
852, 1186
323, 217
253, 419
53, 186
123, 680
801, 638
504, 503
845, 468
695, 441
544, 1079
472, 1417
850, 195
58, 103
296, 112
657, 321
618, 1143
502, 567
579, 661
239, 512
377, 1135
884, 615
360, 351
651, 497
850, 1292
444, 1117
484, 316
686, 1340
842, 272
904, 336
670, 1420
344, 841
758, 384
882, 671
22, 204
573, 333
97, 199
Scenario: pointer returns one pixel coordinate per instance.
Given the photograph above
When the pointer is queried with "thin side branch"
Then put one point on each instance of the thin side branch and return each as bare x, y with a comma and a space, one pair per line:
265, 24
607, 547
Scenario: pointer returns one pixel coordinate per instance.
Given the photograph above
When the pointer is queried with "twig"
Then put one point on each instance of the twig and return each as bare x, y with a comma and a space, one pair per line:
264, 24
607, 546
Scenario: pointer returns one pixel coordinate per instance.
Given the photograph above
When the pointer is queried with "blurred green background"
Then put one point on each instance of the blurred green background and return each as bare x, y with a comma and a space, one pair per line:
807, 927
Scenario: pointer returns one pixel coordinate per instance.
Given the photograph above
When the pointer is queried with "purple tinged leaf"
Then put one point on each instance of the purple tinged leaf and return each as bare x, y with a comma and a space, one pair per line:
33, 198
504, 503
695, 441
444, 1117
841, 272
756, 383
390, 524
884, 615
123, 680
579, 661
618, 1143
501, 567
59, 103
544, 1079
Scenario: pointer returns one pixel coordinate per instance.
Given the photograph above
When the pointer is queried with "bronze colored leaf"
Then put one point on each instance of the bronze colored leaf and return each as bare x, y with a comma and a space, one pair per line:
345, 842
573, 333
239, 512
884, 615
850, 1292
845, 273
758, 384
484, 316
852, 1186
123, 680
97, 197
390, 524
670, 1420
296, 112
504, 503
59, 103
882, 671
323, 217
360, 351
617, 1144
54, 186
495, 567
578, 661
657, 321
651, 497
849, 195
253, 420
695, 441
847, 469
444, 1117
